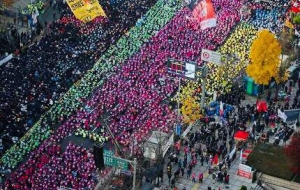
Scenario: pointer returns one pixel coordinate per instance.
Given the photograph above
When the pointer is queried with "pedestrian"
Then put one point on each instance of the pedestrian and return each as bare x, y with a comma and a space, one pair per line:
228, 164
214, 177
54, 16
176, 174
172, 182
201, 160
169, 167
191, 166
182, 171
194, 177
200, 177
227, 179
184, 188
179, 163
184, 162
169, 176
189, 173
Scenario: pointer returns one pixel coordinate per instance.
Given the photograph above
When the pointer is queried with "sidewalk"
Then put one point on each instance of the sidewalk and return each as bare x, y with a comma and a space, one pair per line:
235, 181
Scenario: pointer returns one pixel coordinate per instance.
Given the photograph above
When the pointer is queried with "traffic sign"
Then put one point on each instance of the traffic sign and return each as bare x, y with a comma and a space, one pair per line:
110, 160
127, 172
211, 56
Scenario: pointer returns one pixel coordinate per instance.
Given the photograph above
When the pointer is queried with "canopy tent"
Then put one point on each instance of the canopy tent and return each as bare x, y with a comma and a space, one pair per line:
241, 136
156, 145
261, 106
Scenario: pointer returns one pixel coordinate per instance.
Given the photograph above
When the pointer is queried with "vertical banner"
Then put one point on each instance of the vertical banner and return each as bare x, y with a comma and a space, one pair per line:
86, 10
203, 11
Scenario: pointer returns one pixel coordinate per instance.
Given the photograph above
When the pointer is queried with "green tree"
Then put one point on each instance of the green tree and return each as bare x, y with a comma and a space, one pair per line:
264, 58
292, 151
296, 19
286, 41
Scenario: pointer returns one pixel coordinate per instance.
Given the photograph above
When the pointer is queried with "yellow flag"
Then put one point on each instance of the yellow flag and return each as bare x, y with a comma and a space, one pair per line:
86, 10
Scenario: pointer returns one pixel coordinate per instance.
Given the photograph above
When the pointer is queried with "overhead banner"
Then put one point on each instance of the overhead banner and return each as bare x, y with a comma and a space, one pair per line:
211, 56
86, 10
204, 12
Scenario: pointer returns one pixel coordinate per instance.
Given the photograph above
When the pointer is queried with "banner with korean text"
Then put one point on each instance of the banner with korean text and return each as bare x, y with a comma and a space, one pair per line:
204, 12
86, 10
245, 171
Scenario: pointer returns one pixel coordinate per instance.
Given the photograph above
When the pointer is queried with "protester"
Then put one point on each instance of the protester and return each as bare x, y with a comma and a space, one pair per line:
73, 47
132, 98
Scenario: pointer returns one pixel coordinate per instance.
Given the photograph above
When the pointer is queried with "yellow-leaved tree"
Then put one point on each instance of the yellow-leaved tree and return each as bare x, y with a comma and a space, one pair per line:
264, 58
190, 110
190, 102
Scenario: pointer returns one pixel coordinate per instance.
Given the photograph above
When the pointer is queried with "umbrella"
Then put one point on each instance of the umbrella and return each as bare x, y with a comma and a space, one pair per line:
241, 135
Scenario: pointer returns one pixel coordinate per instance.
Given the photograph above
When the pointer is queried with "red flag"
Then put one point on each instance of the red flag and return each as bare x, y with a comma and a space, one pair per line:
204, 12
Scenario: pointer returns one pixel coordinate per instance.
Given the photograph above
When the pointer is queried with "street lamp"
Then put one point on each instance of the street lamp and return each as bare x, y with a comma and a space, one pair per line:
203, 76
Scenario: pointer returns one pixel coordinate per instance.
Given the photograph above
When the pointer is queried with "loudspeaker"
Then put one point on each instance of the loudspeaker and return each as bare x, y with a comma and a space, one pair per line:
98, 155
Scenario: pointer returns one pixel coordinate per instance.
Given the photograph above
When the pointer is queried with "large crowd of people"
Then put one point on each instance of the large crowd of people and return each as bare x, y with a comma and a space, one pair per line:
51, 65
236, 48
129, 86
114, 90
269, 15
72, 101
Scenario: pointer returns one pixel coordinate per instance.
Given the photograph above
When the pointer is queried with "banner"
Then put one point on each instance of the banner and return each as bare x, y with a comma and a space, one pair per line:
281, 115
245, 171
232, 152
204, 12
86, 10
9, 57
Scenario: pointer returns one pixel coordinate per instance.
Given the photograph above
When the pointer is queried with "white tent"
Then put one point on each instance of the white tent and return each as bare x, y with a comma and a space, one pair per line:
158, 143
